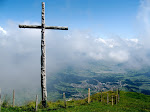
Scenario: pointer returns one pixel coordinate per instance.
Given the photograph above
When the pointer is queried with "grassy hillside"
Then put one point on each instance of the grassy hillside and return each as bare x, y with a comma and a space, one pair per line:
74, 81
129, 102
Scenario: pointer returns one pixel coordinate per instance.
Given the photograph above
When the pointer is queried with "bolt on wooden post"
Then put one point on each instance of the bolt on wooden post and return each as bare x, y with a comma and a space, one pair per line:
13, 98
64, 97
89, 95
43, 50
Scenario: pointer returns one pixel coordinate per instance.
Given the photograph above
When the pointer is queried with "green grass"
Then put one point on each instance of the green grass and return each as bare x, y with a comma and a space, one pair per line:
129, 102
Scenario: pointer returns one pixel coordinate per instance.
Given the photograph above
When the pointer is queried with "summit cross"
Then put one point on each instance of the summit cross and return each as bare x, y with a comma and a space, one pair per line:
43, 50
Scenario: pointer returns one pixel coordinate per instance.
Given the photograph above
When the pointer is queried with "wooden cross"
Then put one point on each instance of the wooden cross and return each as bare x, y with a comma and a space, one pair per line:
43, 52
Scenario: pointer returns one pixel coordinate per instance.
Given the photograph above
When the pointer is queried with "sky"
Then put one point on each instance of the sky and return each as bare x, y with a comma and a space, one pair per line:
101, 17
111, 30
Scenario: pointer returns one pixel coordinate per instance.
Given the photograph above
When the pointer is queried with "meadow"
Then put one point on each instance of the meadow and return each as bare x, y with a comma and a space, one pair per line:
129, 102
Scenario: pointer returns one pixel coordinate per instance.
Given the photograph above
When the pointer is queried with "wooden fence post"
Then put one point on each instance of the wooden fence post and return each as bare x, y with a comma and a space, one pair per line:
107, 99
64, 97
118, 95
112, 89
36, 104
0, 100
112, 100
117, 91
13, 98
4, 98
116, 99
101, 96
88, 95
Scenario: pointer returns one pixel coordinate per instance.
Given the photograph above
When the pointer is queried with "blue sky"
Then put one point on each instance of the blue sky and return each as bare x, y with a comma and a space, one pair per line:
101, 17
20, 48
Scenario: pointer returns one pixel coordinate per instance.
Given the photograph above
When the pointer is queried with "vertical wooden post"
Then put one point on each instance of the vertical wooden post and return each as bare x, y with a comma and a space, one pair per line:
13, 98
112, 100
64, 97
107, 99
43, 51
117, 91
0, 100
43, 58
36, 103
118, 95
101, 95
88, 95
4, 98
112, 89
116, 100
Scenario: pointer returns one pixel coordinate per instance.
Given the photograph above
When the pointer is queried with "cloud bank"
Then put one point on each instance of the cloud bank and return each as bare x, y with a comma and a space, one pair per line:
20, 50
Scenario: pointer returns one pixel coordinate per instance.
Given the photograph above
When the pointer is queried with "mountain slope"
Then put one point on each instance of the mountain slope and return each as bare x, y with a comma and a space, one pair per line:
129, 102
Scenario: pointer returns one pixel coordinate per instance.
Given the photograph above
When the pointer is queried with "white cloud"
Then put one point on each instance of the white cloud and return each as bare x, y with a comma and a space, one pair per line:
144, 13
2, 31
20, 51
143, 18
120, 56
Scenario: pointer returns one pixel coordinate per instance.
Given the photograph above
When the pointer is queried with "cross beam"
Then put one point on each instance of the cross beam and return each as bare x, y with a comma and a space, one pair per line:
46, 27
43, 50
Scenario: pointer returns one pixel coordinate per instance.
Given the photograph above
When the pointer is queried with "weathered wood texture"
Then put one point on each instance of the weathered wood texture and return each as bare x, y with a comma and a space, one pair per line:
43, 58
13, 98
89, 95
46, 27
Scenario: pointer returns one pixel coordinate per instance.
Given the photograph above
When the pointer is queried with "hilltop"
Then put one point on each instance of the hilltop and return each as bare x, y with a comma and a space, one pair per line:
129, 102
